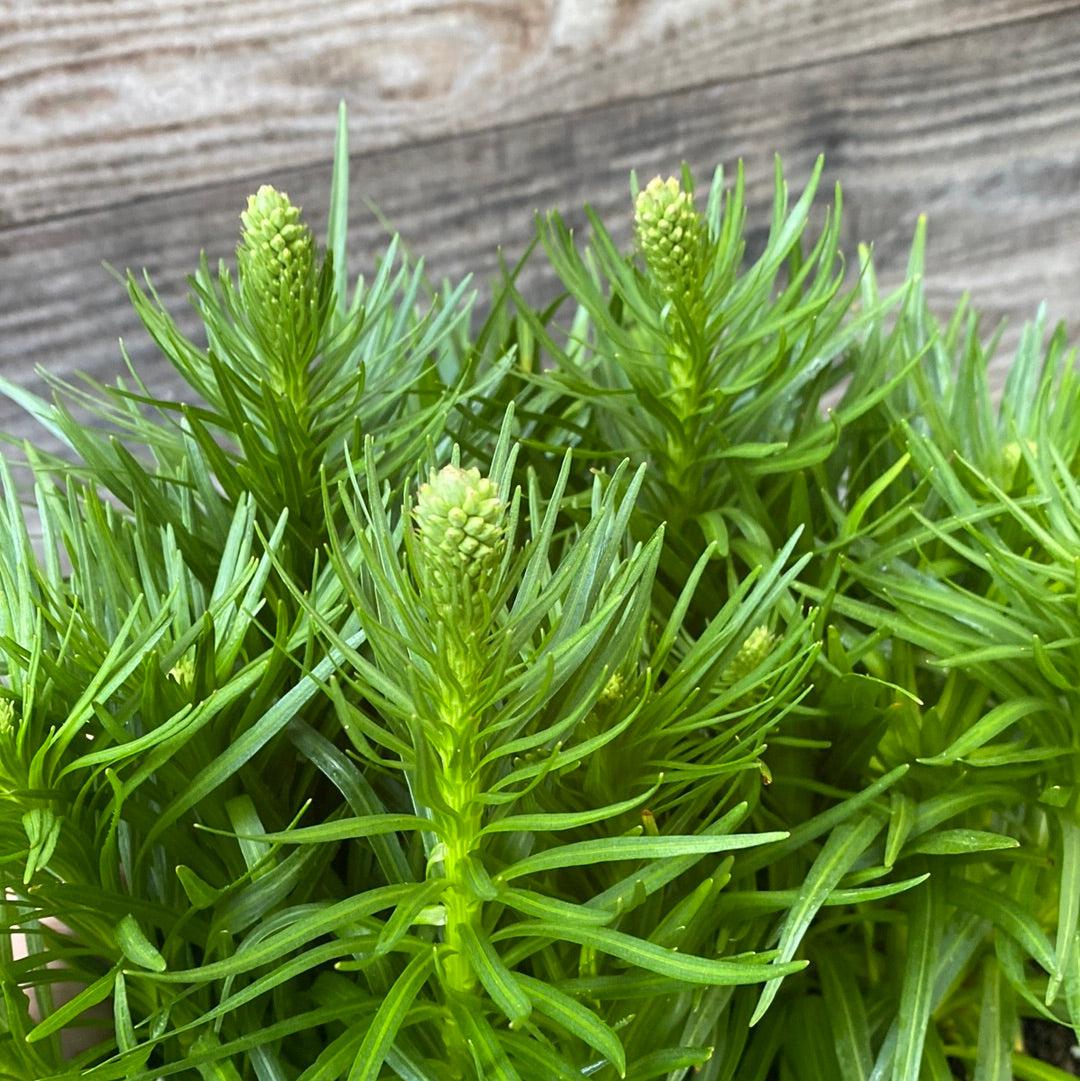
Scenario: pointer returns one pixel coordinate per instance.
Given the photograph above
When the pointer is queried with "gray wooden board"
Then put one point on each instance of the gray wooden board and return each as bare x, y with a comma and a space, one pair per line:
105, 101
981, 132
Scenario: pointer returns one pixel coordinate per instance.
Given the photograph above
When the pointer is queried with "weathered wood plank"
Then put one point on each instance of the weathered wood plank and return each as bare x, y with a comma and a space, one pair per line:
981, 133
106, 100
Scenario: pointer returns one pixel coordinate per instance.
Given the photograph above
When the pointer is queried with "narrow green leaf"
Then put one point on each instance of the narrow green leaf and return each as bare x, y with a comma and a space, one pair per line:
199, 893
311, 923
342, 829
839, 853
901, 819
552, 822
1029, 1069
337, 227
996, 1027
581, 853
125, 1031
490, 1059
917, 984
1009, 916
212, 1068
42, 828
958, 841
669, 1062
536, 1059
379, 1038
1067, 947
847, 1017
824, 822
407, 913
551, 909
499, 982
652, 958
577, 1019
869, 495
988, 727
242, 749
779, 900
89, 996
136, 947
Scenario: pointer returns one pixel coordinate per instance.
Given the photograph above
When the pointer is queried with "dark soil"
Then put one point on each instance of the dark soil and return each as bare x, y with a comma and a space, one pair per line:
1052, 1043
1044, 1041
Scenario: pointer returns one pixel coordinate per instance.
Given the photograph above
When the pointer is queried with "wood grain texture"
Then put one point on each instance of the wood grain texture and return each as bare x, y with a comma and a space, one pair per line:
980, 132
107, 100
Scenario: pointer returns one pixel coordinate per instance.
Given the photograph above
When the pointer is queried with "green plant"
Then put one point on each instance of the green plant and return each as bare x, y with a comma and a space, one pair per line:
549, 697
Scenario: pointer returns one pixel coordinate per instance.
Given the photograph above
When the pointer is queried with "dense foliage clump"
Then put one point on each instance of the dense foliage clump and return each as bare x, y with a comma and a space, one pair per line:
681, 680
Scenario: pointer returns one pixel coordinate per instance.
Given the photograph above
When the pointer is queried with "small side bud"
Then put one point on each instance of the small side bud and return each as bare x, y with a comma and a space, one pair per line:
670, 234
183, 672
758, 645
8, 748
1012, 457
614, 690
460, 527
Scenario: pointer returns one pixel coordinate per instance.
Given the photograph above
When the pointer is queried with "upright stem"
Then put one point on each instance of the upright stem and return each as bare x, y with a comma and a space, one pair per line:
682, 448
463, 907
459, 820
460, 533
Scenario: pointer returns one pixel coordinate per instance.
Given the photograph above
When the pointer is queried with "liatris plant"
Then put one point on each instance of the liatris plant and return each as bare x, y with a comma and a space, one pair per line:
568, 694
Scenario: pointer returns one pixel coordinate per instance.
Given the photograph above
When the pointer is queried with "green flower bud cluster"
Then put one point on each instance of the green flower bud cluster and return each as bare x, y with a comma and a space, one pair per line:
8, 750
758, 645
1012, 457
460, 526
671, 234
276, 259
614, 690
183, 672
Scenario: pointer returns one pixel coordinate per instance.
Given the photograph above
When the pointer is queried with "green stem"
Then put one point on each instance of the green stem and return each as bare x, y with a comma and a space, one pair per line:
682, 448
460, 819
463, 907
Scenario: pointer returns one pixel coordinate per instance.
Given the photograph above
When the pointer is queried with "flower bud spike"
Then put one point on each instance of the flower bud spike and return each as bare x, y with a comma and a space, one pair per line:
460, 521
276, 261
670, 234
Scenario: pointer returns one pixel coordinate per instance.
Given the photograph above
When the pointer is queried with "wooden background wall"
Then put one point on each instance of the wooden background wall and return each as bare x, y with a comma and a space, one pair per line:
133, 129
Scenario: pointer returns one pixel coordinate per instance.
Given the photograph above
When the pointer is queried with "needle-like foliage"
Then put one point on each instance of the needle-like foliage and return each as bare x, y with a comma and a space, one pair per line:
678, 681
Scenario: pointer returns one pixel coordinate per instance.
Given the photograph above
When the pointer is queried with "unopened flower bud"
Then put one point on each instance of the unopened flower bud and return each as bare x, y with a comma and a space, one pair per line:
9, 766
459, 520
758, 645
1012, 455
276, 259
670, 234
614, 689
7, 718
183, 672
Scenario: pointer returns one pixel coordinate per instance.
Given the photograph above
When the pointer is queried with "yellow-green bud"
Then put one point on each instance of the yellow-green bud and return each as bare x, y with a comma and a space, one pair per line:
183, 672
614, 689
9, 765
670, 234
1011, 457
276, 259
459, 520
758, 645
